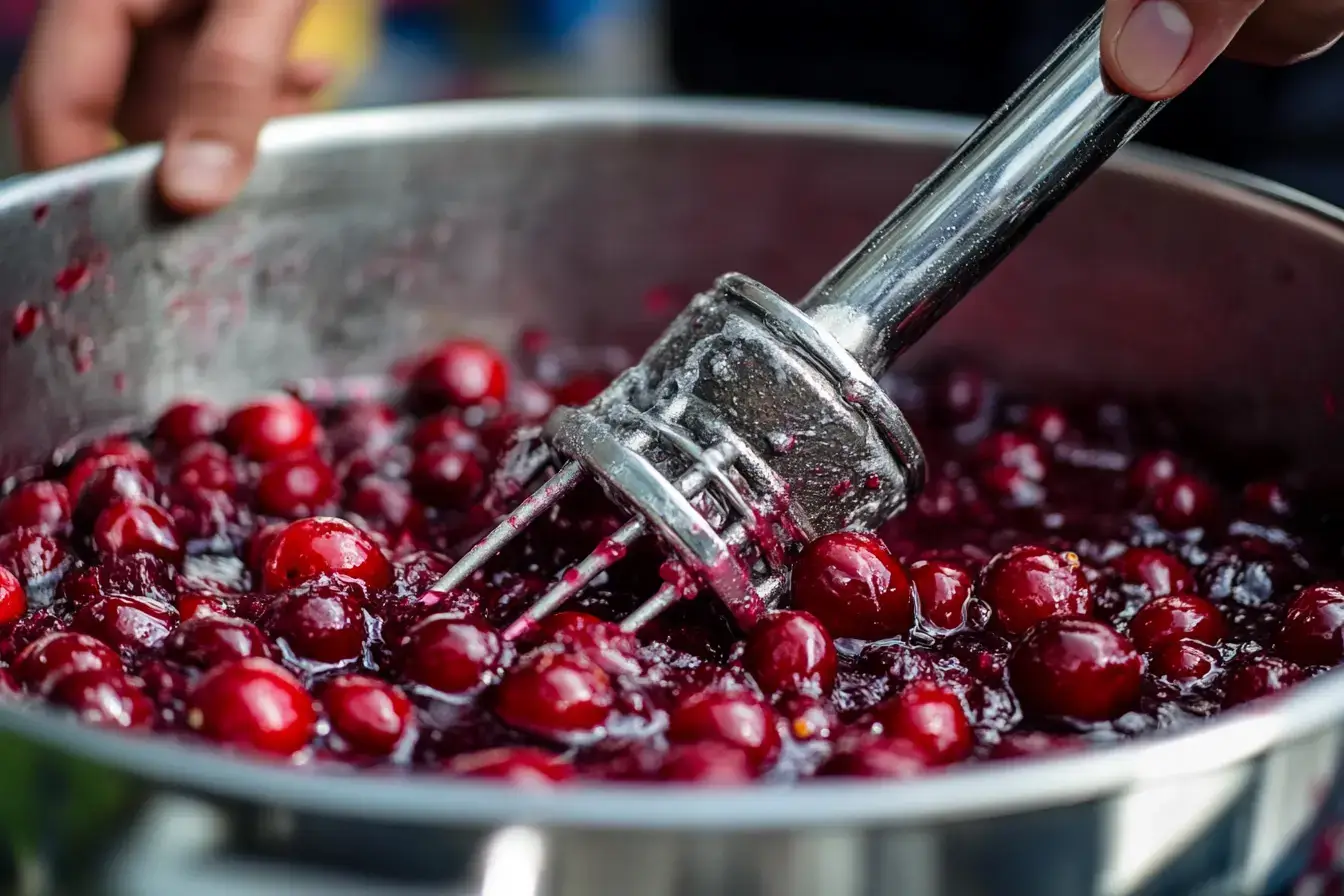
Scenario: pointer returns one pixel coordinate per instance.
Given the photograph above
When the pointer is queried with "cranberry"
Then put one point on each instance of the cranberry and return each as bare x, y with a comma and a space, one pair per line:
13, 602
707, 763
1156, 570
321, 546
887, 757
450, 655
1259, 676
960, 396
521, 766
295, 487
1015, 452
31, 555
104, 697
206, 466
369, 715
462, 373
1023, 744
445, 429
259, 545
1176, 616
1151, 471
442, 476
380, 502
43, 663
1076, 668
1267, 498
200, 605
109, 486
1313, 627
931, 717
736, 719
1183, 502
40, 505
1047, 423
187, 423
808, 718
139, 575
129, 527
943, 590
272, 427
253, 704
603, 642
209, 641
130, 624
1182, 661
365, 426
1027, 584
851, 583
789, 650
321, 620
116, 452
552, 693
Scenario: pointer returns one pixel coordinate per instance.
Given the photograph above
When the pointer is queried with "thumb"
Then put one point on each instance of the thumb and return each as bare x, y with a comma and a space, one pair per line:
1156, 48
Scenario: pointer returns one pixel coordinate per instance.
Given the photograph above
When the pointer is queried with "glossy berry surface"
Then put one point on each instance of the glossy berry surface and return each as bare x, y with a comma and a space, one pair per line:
323, 546
1174, 617
449, 655
369, 715
554, 694
1028, 584
1076, 668
852, 583
931, 716
271, 428
790, 650
733, 719
253, 704
1313, 627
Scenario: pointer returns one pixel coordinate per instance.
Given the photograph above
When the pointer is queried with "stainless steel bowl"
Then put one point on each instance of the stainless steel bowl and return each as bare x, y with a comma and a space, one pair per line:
366, 236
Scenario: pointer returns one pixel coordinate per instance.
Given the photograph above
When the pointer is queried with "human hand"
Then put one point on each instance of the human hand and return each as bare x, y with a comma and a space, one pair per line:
1157, 48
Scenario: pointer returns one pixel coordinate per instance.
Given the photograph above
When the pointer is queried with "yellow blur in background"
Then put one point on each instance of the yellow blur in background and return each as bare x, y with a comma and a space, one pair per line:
343, 33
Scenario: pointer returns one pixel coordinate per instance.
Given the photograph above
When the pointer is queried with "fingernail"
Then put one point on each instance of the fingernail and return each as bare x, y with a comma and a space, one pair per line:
1153, 43
201, 171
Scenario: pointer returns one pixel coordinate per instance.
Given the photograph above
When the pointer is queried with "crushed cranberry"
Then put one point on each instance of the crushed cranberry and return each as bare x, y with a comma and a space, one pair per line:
1259, 676
321, 620
130, 624
931, 717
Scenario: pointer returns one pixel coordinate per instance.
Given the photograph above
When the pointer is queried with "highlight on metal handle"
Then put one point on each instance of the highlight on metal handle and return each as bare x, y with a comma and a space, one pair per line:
1059, 126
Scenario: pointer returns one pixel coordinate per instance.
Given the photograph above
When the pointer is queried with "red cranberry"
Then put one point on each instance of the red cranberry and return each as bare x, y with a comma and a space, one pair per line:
886, 757
1183, 661
552, 693
462, 373
43, 663
200, 605
851, 583
445, 429
520, 766
40, 505
706, 763
603, 642
109, 486
141, 575
1076, 668
736, 719
137, 528
1184, 502
321, 546
295, 487
1267, 498
1313, 628
450, 655
130, 624
1259, 676
1027, 584
31, 555
1155, 570
104, 697
380, 502
446, 477
259, 545
789, 650
943, 590
13, 602
1024, 744
370, 716
116, 452
209, 641
206, 466
577, 391
187, 423
272, 427
961, 396
321, 620
1047, 423
365, 426
931, 717
253, 704
1015, 452
1176, 616
1151, 471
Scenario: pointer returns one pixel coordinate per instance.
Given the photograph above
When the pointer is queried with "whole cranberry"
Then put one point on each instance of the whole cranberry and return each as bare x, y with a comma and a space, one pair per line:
295, 486
708, 763
1024, 744
602, 642
129, 624
931, 717
187, 423
736, 719
253, 704
1155, 570
445, 429
1259, 676
42, 505
129, 527
1076, 668
1183, 502
884, 757
449, 654
462, 373
520, 766
206, 466
1313, 628
209, 641
272, 427
1183, 661
1046, 423
13, 602
1176, 616
200, 605
381, 502
108, 486
43, 663
321, 620
789, 650
320, 546
1152, 470
115, 452
32, 556
553, 693
369, 715
104, 697
943, 590
853, 585
1027, 584
258, 545
442, 476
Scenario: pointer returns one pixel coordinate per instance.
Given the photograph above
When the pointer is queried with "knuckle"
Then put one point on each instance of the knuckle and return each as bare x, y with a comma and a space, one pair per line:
232, 69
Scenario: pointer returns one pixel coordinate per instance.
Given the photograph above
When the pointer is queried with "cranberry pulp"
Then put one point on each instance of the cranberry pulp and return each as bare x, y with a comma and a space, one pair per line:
260, 578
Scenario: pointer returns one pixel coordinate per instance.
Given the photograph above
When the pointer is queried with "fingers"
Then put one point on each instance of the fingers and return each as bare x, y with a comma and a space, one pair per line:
1286, 31
1156, 48
231, 83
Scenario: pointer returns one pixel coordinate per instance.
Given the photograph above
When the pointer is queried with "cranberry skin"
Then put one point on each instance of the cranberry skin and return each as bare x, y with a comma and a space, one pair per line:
887, 757
931, 717
853, 585
1076, 668
13, 602
449, 655
1027, 584
321, 620
42, 505
943, 590
706, 763
295, 487
442, 476
369, 715
1184, 502
200, 605
736, 719
206, 466
187, 423
519, 766
43, 663
1183, 661
30, 555
209, 641
253, 704
271, 428
1176, 616
380, 502
445, 429
462, 373
129, 527
320, 546
790, 650
108, 486
1153, 470
1313, 628
105, 698
1259, 676
553, 693
1047, 423
129, 624
115, 452
1155, 570
366, 426
602, 642
138, 575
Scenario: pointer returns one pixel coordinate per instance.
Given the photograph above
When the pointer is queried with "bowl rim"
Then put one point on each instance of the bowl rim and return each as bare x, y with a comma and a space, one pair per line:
961, 794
